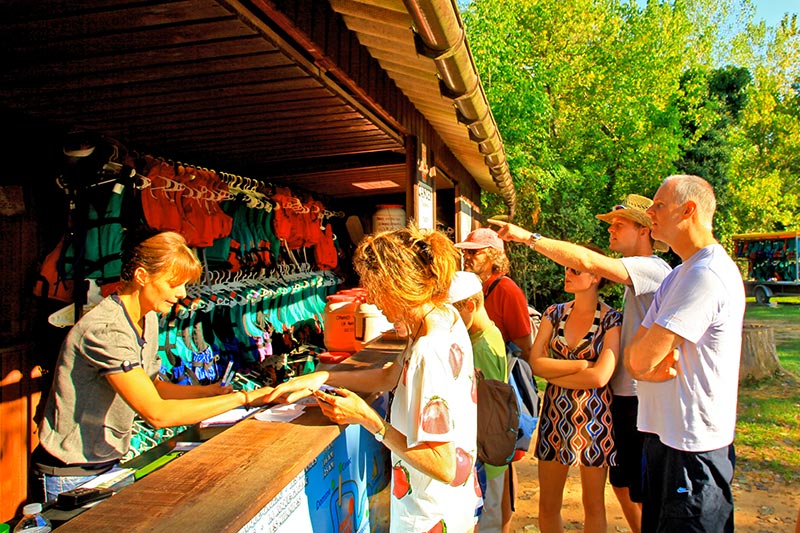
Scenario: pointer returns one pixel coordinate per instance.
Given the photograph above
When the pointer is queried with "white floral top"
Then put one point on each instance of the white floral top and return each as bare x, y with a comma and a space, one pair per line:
435, 401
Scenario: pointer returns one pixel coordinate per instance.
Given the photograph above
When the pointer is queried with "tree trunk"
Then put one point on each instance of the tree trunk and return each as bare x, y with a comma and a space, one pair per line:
759, 358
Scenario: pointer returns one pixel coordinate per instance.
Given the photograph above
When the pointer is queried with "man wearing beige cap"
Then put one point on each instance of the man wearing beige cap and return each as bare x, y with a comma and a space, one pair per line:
641, 272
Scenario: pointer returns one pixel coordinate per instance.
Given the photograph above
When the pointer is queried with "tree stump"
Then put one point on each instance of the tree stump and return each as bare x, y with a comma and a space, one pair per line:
759, 358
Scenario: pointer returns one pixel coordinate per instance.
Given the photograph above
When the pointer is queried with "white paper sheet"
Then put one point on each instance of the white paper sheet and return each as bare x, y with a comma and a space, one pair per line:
281, 413
228, 418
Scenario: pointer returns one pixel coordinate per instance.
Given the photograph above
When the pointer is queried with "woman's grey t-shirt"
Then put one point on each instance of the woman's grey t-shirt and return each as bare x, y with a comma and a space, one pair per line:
85, 420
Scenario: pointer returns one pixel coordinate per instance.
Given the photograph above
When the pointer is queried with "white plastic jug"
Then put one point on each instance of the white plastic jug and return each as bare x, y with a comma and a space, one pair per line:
370, 322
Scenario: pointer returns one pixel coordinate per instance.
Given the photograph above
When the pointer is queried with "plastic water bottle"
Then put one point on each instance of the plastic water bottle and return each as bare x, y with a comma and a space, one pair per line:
33, 521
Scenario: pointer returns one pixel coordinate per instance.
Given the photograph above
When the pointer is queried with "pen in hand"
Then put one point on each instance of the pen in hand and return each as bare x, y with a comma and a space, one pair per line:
227, 376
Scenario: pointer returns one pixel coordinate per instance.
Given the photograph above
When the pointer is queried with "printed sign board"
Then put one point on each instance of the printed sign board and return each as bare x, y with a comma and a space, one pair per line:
344, 490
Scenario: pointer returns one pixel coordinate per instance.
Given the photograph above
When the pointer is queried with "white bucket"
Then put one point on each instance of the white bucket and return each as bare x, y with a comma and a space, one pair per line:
370, 322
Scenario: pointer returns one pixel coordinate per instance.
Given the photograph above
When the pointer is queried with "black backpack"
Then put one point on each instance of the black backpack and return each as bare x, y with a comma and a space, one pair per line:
498, 420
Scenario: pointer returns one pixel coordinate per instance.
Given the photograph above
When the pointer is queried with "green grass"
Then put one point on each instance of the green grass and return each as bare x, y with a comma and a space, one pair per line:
768, 425
784, 312
786, 300
789, 351
768, 429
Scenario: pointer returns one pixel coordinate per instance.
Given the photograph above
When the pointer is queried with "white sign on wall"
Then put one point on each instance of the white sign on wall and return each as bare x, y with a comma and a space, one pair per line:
465, 210
424, 208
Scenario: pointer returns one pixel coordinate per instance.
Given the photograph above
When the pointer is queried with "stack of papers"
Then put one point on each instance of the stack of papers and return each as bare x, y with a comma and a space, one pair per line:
185, 446
281, 413
116, 478
228, 418
278, 413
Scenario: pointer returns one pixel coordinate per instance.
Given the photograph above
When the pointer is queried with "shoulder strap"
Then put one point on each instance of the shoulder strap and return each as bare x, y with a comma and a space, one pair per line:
493, 285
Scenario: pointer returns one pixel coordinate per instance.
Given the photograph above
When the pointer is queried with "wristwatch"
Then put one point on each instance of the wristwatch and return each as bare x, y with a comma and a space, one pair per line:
532, 240
381, 433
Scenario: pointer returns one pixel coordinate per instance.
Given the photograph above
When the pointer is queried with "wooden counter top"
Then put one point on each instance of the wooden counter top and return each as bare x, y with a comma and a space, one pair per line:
223, 483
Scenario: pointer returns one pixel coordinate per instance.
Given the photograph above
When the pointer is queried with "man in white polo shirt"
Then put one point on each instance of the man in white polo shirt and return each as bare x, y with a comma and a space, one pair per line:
686, 357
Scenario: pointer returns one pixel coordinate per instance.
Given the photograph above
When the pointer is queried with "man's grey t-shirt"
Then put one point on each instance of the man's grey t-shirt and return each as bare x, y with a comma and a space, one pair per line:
646, 273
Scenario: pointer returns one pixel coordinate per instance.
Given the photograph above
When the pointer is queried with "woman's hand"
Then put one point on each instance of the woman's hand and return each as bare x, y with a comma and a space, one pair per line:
297, 388
215, 389
259, 397
343, 406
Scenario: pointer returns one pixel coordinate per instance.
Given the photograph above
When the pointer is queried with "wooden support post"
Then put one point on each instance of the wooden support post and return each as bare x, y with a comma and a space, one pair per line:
759, 358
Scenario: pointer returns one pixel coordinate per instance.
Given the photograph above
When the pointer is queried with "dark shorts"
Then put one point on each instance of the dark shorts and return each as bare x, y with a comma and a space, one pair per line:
687, 492
628, 440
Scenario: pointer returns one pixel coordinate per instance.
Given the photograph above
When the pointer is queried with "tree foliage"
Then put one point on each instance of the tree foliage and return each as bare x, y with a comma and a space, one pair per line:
596, 99
765, 159
711, 103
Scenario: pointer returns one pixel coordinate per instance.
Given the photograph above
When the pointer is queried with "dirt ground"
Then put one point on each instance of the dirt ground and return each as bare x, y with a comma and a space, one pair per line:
762, 505
763, 502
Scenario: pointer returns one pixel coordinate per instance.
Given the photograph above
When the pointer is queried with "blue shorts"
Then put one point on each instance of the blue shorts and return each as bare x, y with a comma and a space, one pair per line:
628, 440
55, 485
687, 492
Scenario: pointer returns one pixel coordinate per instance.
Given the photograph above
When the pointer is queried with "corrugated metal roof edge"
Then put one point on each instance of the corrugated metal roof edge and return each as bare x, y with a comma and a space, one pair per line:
440, 35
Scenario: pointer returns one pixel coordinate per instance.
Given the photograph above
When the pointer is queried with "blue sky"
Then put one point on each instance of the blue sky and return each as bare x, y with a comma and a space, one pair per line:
772, 10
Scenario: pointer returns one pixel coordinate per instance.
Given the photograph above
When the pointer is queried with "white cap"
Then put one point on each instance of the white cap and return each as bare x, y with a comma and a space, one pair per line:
32, 508
464, 285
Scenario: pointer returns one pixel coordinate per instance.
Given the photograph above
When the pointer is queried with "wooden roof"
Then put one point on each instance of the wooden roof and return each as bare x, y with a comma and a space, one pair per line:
221, 84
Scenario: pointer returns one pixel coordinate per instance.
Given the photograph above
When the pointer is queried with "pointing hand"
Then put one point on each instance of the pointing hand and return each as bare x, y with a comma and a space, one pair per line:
510, 232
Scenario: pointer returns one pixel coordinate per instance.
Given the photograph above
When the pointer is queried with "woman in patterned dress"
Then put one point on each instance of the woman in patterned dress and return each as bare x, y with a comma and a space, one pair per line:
576, 351
431, 430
